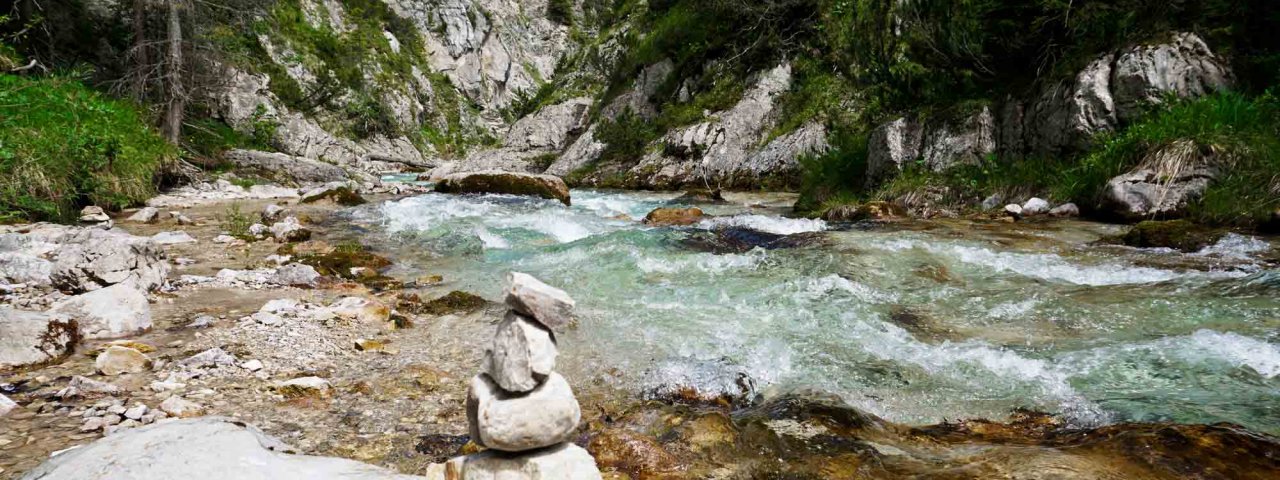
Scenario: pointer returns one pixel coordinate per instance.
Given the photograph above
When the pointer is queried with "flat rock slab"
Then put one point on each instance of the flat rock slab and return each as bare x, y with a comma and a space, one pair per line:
544, 303
199, 449
116, 311
494, 181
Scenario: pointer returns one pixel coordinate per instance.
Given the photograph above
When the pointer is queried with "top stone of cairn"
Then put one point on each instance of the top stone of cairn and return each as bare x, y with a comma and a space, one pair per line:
530, 297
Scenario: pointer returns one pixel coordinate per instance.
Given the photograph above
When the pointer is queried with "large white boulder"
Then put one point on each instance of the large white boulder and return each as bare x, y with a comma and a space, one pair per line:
517, 422
116, 311
199, 448
28, 338
546, 304
522, 355
91, 259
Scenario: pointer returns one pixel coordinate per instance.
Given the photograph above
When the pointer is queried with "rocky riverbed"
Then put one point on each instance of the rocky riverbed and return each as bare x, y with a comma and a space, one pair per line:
742, 345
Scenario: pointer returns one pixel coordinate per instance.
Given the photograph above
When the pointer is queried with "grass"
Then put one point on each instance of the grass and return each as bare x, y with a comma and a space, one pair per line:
236, 223
64, 146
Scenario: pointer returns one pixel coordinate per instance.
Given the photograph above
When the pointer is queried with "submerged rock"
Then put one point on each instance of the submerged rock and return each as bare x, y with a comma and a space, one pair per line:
741, 240
544, 186
1176, 234
211, 447
666, 216
546, 416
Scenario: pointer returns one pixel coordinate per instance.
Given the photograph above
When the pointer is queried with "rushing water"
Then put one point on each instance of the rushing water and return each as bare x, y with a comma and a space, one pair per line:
916, 323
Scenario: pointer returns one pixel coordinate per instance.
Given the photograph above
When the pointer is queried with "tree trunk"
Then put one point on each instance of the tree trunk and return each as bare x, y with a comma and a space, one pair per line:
140, 61
173, 78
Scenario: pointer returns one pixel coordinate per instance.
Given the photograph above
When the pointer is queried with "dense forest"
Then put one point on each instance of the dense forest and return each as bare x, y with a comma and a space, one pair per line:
113, 78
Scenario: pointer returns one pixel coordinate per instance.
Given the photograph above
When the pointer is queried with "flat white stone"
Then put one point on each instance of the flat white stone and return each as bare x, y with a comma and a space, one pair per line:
544, 303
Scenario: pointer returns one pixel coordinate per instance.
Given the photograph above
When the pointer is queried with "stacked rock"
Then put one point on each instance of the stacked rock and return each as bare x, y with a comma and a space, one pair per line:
519, 407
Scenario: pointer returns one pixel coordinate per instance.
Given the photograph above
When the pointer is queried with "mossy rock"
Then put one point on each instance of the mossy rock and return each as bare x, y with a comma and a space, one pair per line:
700, 195
342, 260
666, 216
1176, 234
344, 196
453, 302
544, 186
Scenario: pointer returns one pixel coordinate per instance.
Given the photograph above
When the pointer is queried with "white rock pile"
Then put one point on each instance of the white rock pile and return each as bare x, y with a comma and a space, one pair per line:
519, 407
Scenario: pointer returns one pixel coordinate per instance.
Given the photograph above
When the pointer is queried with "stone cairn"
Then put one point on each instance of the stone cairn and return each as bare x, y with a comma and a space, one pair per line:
518, 407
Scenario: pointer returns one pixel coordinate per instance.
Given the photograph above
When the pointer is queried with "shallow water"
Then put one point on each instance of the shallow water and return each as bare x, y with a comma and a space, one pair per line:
917, 323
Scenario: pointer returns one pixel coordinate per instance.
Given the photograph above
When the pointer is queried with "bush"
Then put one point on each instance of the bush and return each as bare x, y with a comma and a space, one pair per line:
64, 146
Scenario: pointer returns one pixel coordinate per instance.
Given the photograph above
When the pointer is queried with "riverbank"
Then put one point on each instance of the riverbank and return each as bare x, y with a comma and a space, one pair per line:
671, 387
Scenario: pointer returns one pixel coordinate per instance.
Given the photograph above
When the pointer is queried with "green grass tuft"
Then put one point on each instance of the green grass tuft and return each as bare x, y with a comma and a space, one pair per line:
64, 146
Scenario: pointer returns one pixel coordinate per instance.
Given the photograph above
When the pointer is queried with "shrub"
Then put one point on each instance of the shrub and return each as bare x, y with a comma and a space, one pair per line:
64, 146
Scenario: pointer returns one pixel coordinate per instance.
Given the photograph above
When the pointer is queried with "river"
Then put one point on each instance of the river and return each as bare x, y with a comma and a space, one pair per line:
917, 322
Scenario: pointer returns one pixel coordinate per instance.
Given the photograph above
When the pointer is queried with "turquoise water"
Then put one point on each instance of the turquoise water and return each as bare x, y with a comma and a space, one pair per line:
917, 323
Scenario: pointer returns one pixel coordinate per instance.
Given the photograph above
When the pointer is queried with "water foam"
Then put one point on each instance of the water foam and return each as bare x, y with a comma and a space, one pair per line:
1235, 246
767, 224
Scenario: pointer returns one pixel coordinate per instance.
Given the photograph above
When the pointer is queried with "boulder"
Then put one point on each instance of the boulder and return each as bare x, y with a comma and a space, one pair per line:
341, 193
522, 355
145, 215
284, 168
28, 338
562, 462
290, 230
876, 210
1013, 210
666, 216
1176, 234
208, 447
544, 186
1035, 206
1065, 210
507, 422
19, 267
1163, 184
964, 141
116, 311
179, 407
296, 275
117, 360
92, 259
530, 297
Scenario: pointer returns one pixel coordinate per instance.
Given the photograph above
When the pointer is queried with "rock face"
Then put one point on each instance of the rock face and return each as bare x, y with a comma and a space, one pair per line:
563, 462
28, 338
522, 356
91, 259
116, 311
939, 145
209, 447
1184, 67
548, 305
546, 416
286, 169
530, 140
545, 186
1163, 185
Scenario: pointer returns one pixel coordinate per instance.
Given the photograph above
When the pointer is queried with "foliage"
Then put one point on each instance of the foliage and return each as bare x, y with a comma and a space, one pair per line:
236, 223
833, 177
64, 146
560, 11
625, 137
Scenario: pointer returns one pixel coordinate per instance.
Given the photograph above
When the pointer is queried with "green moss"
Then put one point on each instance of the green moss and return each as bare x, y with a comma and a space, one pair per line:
64, 146
453, 302
1176, 234
343, 259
